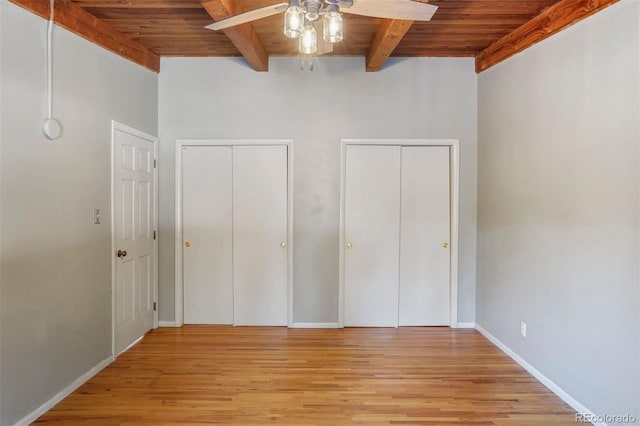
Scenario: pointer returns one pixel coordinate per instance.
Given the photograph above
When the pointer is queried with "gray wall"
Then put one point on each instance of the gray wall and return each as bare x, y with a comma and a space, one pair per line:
558, 193
411, 98
558, 190
55, 276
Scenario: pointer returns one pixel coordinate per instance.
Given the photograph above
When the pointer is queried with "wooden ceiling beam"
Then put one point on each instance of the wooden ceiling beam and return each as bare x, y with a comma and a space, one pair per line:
390, 33
549, 22
139, 4
77, 20
244, 37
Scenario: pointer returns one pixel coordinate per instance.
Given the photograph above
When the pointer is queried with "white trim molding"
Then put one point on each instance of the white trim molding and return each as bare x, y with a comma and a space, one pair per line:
467, 325
33, 416
167, 324
581, 409
180, 144
315, 325
454, 149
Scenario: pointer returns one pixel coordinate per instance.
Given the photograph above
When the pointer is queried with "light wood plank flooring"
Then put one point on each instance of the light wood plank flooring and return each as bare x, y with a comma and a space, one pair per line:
215, 374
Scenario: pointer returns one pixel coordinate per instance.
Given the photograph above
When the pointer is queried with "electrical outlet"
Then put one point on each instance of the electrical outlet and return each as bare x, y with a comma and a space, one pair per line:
523, 329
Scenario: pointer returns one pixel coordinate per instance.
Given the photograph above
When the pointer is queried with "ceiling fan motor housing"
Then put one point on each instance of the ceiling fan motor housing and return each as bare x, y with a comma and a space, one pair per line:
314, 7
313, 10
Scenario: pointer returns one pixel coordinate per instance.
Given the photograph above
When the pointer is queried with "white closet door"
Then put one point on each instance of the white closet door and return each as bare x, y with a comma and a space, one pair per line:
207, 235
372, 229
260, 235
424, 240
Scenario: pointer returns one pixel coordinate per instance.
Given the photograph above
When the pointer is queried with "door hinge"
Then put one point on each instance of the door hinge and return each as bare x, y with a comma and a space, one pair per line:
154, 306
154, 235
155, 163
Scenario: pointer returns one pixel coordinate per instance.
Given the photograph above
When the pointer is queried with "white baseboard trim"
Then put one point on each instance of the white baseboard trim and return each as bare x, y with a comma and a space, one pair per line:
466, 325
33, 416
167, 324
581, 409
314, 325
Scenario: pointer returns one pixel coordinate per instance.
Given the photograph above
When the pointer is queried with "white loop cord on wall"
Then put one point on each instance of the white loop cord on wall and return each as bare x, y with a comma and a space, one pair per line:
51, 127
49, 54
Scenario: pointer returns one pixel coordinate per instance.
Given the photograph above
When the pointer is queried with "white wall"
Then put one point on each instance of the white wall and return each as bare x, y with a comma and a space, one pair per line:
412, 98
55, 292
558, 193
1, 144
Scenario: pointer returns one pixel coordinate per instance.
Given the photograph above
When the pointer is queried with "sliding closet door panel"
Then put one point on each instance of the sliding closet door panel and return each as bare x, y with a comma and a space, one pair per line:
260, 235
207, 235
372, 227
424, 238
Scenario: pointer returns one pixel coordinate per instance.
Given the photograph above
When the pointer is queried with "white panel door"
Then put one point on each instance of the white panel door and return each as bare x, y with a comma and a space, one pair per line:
134, 211
424, 238
372, 231
260, 235
207, 235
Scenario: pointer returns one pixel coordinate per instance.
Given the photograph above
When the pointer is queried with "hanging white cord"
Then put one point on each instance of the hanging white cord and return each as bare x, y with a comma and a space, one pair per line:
49, 54
50, 128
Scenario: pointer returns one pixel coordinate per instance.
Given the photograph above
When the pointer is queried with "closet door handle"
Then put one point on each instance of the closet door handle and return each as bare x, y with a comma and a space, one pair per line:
283, 245
349, 245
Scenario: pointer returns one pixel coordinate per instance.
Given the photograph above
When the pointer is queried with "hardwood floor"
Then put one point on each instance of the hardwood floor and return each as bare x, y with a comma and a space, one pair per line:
215, 374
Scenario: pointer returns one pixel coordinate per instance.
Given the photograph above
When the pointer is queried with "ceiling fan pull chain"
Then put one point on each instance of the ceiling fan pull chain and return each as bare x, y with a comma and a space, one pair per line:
303, 61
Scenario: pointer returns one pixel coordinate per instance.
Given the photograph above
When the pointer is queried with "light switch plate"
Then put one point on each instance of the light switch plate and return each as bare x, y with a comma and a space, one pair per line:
96, 216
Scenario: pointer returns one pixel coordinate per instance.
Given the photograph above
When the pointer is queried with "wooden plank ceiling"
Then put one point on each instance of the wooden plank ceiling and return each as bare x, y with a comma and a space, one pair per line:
460, 28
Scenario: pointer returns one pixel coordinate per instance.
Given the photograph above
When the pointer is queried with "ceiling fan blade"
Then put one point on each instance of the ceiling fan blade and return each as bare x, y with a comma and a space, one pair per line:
392, 9
252, 15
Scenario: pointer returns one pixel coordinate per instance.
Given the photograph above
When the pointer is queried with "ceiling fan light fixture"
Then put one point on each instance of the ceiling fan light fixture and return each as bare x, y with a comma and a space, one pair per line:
301, 17
333, 26
294, 21
308, 40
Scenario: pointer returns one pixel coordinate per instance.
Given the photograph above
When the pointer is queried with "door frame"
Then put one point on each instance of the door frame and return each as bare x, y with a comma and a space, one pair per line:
115, 126
454, 149
178, 254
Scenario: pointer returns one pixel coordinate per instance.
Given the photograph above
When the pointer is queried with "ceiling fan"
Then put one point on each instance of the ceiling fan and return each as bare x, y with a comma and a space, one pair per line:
301, 17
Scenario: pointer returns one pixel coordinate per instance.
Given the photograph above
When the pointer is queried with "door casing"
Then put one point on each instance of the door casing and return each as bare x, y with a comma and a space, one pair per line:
454, 147
179, 279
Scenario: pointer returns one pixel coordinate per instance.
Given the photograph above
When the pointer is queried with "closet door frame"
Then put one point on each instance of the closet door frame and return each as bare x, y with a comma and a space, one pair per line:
454, 148
179, 281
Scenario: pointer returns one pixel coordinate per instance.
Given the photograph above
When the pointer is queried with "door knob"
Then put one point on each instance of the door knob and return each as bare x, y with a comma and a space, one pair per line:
121, 253
283, 245
445, 245
349, 245
187, 244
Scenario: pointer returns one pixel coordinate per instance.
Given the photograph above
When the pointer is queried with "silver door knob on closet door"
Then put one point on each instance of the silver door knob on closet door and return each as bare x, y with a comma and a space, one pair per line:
349, 245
